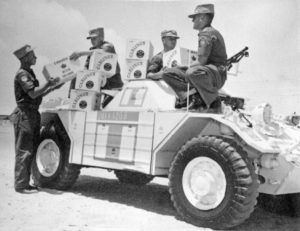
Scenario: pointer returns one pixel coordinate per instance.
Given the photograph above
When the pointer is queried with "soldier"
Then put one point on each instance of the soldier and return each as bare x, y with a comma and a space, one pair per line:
209, 74
155, 67
97, 39
26, 117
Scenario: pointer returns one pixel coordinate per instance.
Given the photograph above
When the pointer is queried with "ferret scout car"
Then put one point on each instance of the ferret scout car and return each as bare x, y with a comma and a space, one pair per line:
217, 164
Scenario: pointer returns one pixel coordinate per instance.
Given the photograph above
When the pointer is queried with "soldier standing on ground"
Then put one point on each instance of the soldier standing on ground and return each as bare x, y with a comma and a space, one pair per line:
209, 74
155, 67
26, 117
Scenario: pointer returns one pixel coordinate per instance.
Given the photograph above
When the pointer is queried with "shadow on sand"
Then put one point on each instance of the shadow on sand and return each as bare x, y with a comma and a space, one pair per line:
156, 198
152, 197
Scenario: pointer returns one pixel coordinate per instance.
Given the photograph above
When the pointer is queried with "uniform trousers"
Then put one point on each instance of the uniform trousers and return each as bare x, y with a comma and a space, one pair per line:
206, 79
27, 137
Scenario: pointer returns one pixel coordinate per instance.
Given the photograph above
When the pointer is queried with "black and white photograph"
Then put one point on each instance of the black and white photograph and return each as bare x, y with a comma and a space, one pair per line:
120, 115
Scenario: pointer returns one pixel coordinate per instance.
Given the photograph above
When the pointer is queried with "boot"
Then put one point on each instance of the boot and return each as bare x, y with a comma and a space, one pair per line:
196, 103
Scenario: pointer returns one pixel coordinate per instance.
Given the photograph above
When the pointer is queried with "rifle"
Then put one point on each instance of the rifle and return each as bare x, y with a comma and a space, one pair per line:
236, 58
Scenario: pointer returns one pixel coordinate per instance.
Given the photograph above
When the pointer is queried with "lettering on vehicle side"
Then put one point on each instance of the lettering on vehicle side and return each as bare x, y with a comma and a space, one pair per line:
102, 60
78, 97
122, 116
85, 77
132, 50
133, 67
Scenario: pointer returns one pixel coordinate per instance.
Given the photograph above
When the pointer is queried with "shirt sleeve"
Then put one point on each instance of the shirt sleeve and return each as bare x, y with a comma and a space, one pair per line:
108, 47
155, 64
25, 81
205, 45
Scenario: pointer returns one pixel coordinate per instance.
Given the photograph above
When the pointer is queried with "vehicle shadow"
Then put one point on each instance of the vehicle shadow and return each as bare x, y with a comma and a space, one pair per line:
155, 198
152, 197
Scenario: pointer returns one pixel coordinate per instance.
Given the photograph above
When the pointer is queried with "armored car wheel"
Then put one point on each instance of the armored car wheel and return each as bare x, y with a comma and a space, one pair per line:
135, 178
212, 184
50, 167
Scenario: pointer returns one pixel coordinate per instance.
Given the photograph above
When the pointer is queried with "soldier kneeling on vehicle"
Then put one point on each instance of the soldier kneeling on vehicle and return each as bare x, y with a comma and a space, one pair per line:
209, 74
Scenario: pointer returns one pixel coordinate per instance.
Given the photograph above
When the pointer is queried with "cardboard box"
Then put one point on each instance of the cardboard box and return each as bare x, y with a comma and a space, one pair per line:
139, 49
193, 57
103, 61
90, 80
65, 69
136, 69
180, 56
85, 100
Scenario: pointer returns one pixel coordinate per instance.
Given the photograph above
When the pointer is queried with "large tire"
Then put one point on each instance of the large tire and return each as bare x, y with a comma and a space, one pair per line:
212, 183
134, 178
51, 168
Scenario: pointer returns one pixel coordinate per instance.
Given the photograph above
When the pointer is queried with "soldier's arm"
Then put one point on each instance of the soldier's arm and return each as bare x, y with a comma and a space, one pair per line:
28, 85
77, 54
204, 48
109, 47
44, 89
155, 67
155, 76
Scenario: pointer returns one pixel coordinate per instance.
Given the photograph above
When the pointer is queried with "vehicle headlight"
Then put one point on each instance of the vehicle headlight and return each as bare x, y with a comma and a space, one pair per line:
267, 114
262, 113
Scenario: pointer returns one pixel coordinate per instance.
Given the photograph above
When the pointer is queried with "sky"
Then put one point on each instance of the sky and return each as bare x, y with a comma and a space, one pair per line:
270, 28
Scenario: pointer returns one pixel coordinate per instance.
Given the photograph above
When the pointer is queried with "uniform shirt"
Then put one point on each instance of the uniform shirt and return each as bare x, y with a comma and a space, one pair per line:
212, 45
156, 63
115, 81
26, 81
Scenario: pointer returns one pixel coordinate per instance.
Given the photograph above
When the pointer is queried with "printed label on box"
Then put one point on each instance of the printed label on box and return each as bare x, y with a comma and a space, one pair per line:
65, 69
85, 100
179, 56
139, 49
103, 61
136, 69
90, 80
193, 57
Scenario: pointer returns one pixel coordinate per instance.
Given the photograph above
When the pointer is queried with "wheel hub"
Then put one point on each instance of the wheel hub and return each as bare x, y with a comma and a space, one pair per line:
204, 183
48, 157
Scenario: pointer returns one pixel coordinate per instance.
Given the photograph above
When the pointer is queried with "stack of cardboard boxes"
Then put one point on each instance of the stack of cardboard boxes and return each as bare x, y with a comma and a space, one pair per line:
138, 53
86, 95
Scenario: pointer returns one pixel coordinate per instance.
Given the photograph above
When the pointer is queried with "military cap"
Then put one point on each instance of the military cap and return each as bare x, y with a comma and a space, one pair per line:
24, 50
203, 9
96, 32
169, 33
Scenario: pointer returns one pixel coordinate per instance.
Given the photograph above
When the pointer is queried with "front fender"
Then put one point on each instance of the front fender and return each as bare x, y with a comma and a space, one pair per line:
74, 124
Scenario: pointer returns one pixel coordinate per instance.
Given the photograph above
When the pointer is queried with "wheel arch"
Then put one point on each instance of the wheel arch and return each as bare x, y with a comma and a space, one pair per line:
71, 123
186, 130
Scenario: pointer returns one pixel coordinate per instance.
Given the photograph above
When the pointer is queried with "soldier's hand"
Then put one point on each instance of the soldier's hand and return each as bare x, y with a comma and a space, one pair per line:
53, 81
75, 55
183, 68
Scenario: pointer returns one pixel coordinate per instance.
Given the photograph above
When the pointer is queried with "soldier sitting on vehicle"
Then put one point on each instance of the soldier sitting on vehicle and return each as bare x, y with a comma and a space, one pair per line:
207, 76
155, 67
